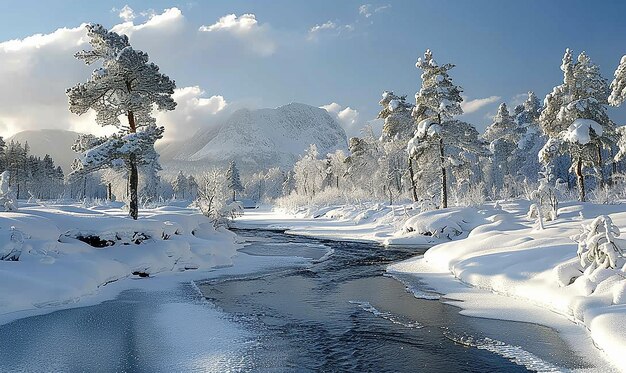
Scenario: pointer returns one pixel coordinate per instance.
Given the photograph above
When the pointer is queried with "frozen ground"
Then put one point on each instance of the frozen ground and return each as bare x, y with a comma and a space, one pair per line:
491, 262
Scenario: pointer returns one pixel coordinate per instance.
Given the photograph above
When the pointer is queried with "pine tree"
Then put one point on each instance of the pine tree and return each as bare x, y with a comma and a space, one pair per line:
232, 179
398, 128
503, 136
436, 104
126, 85
618, 85
531, 139
192, 185
180, 185
575, 118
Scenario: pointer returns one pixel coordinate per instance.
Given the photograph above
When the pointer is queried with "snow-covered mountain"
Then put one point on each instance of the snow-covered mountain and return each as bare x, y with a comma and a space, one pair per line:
259, 139
57, 143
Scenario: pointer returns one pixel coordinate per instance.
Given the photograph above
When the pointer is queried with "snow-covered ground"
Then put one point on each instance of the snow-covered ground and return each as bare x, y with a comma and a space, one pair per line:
56, 269
508, 264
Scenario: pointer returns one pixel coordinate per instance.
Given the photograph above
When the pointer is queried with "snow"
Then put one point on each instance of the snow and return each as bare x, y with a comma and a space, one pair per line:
394, 104
55, 268
265, 138
491, 262
580, 131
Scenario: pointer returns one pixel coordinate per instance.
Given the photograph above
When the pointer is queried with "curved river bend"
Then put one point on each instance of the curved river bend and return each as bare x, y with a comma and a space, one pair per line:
338, 313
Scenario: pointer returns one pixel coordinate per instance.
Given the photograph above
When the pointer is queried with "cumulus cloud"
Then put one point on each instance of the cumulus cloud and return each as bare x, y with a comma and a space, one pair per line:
193, 111
36, 70
126, 13
346, 117
246, 30
470, 106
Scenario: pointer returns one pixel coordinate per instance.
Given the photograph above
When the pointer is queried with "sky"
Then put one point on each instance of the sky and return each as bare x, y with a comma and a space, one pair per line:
339, 55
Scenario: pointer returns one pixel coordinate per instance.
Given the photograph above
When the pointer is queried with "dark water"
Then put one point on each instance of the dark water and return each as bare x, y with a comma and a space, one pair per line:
344, 314
341, 313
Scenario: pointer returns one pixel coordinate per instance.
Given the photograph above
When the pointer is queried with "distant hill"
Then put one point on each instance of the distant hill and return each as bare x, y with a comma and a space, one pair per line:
258, 139
57, 143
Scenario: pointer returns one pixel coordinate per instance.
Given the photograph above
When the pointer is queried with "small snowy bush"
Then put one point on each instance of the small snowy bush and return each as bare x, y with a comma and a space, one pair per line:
598, 244
8, 202
11, 249
545, 204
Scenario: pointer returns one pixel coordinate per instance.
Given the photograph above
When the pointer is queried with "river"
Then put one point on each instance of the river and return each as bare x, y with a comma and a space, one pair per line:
338, 312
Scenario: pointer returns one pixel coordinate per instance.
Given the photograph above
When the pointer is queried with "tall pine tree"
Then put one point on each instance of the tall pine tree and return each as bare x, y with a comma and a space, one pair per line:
126, 85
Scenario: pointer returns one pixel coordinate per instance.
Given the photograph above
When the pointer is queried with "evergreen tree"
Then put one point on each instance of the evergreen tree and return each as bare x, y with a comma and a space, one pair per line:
398, 128
503, 136
436, 104
192, 185
233, 181
575, 118
126, 85
180, 185
618, 85
531, 139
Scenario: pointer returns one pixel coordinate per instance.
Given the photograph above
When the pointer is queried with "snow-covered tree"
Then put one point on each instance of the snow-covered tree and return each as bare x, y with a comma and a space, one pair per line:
531, 139
503, 136
546, 202
398, 128
233, 180
575, 119
213, 195
364, 162
126, 85
8, 201
192, 184
438, 134
180, 186
618, 85
396, 112
307, 173
598, 245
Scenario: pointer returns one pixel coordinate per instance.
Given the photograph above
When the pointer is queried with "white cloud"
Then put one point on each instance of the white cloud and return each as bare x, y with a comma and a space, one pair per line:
470, 106
328, 27
36, 70
193, 111
346, 117
246, 30
367, 10
244, 24
127, 13
364, 10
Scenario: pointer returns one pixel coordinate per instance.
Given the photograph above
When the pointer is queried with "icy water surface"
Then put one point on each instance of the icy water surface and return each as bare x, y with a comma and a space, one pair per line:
338, 314
344, 314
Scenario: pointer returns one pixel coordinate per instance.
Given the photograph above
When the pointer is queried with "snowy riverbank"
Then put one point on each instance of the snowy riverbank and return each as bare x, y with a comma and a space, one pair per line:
70, 255
499, 252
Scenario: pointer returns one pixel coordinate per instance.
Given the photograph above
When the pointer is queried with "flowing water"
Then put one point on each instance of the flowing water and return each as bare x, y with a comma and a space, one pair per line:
342, 313
338, 313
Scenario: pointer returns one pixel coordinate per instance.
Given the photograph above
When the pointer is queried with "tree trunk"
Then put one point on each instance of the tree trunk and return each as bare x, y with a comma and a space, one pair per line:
133, 181
234, 195
600, 166
444, 181
133, 178
580, 179
411, 175
109, 192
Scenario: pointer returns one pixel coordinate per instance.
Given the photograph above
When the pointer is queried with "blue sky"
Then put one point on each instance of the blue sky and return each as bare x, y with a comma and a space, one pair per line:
501, 48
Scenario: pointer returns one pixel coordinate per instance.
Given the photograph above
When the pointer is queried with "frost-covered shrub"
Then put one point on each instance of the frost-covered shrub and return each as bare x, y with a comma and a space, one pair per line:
8, 202
12, 243
598, 244
546, 202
